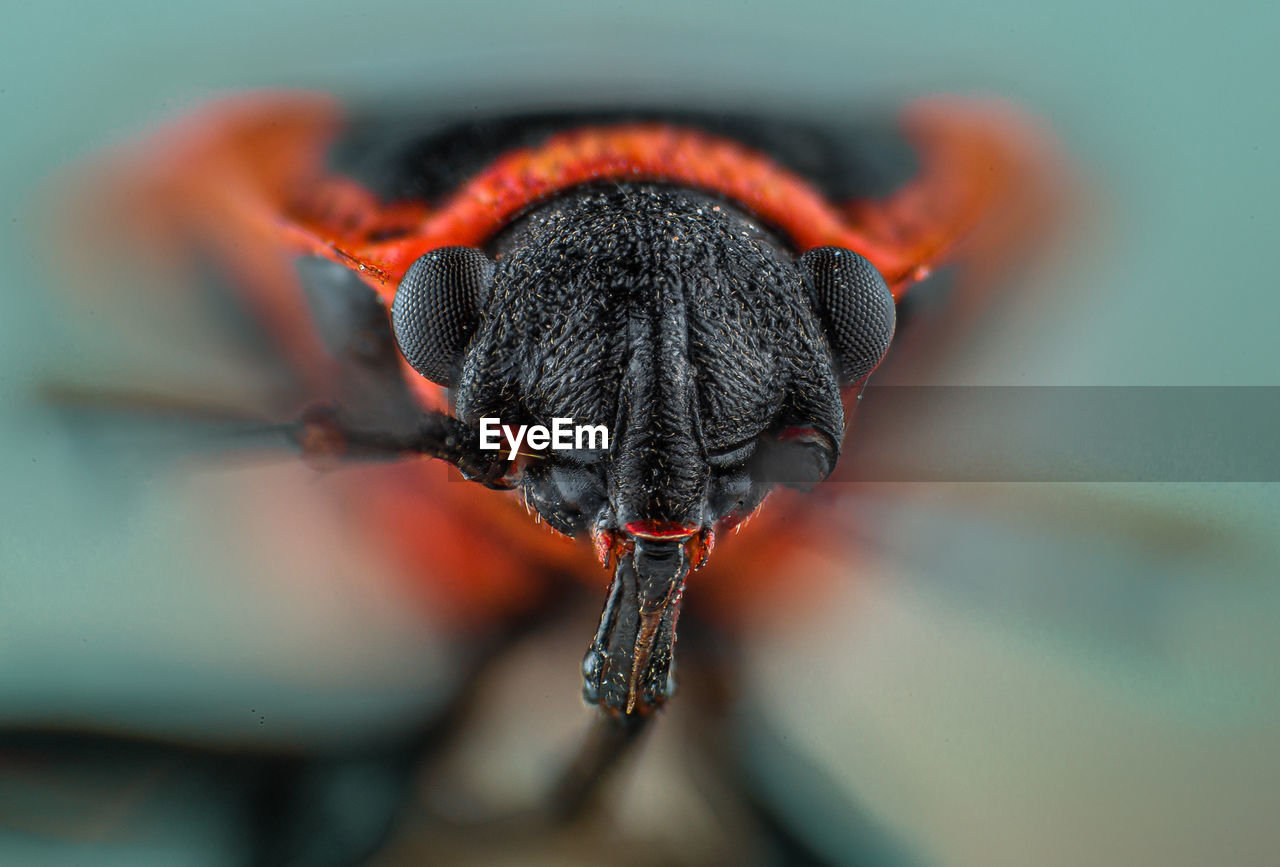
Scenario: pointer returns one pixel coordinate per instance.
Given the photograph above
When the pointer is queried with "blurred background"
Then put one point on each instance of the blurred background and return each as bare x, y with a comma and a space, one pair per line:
1039, 673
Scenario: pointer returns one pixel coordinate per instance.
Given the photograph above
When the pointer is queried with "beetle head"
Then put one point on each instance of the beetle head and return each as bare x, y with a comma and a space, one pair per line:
713, 356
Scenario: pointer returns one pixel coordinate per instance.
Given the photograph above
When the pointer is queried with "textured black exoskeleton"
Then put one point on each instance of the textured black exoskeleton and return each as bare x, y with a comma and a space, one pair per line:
713, 355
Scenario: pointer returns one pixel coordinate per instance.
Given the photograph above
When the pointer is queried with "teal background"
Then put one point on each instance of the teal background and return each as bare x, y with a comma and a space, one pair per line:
1046, 674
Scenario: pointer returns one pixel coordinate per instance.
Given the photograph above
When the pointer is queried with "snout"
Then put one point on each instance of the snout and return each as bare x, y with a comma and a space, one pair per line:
630, 666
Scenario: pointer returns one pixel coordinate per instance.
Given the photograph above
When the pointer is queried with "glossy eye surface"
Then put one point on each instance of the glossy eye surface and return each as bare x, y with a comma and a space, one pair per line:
437, 308
856, 308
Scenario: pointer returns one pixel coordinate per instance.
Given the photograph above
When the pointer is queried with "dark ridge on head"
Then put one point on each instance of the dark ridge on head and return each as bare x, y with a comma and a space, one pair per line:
674, 318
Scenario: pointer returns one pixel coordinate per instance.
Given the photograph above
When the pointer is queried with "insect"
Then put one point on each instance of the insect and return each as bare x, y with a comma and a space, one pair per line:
712, 291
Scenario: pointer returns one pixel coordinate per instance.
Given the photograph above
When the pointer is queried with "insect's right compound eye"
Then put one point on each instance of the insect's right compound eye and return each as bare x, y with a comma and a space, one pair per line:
856, 307
437, 308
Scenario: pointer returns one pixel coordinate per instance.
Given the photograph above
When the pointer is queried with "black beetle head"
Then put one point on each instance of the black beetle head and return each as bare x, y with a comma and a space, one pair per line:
712, 356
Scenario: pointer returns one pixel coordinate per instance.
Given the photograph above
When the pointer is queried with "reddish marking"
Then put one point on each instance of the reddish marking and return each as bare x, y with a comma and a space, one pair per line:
631, 152
603, 541
700, 548
660, 530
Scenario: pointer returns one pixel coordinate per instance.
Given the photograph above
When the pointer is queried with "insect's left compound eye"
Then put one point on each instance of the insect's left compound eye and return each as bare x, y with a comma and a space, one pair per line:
437, 308
856, 307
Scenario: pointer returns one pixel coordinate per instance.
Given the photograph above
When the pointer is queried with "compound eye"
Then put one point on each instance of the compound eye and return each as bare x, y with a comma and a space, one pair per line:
856, 308
437, 308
